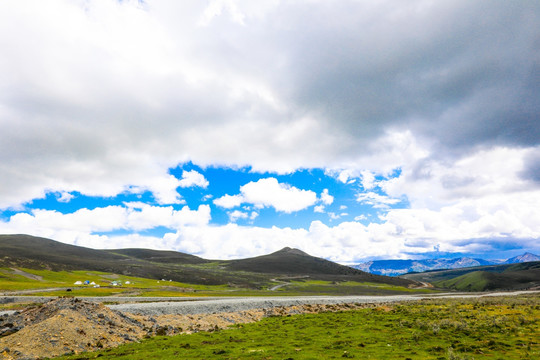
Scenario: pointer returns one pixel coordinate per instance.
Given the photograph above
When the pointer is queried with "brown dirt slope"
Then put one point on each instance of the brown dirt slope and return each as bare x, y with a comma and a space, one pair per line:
68, 325
64, 326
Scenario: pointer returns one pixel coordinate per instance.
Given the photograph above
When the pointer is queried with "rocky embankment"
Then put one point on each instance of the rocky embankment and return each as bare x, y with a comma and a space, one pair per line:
68, 325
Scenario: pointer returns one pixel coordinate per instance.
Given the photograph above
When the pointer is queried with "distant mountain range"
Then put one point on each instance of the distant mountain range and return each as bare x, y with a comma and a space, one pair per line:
400, 267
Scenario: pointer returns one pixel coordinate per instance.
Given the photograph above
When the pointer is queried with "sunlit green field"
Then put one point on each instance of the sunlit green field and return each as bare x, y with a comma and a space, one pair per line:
345, 288
10, 281
46, 280
487, 328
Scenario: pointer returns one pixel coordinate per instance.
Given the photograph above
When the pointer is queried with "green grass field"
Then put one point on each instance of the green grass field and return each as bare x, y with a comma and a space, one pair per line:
9, 281
45, 279
487, 328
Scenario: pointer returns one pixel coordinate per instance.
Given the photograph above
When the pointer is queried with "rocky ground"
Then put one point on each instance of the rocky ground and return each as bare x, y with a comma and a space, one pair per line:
69, 325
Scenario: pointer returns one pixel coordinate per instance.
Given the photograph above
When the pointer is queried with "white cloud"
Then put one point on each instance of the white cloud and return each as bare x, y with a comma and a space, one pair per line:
105, 97
229, 201
164, 189
193, 178
269, 192
377, 200
237, 214
326, 198
65, 197
333, 216
132, 216
344, 176
368, 180
475, 225
436, 183
99, 97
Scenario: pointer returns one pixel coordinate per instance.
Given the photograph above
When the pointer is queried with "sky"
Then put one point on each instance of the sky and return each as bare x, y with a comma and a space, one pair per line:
352, 130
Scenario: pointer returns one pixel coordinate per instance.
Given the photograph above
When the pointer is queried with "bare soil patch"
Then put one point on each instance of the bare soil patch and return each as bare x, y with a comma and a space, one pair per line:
26, 275
69, 325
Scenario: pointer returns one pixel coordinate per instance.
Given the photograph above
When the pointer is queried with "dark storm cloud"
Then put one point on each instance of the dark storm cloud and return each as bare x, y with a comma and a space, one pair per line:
531, 169
462, 74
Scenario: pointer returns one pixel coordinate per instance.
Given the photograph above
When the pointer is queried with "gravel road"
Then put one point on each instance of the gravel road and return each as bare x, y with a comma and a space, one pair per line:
200, 305
241, 304
248, 303
100, 299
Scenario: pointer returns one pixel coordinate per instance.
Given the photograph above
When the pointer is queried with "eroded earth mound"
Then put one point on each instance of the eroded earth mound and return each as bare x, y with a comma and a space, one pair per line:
69, 325
62, 326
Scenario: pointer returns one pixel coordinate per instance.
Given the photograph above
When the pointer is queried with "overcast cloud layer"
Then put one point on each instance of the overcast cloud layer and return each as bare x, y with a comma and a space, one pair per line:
105, 97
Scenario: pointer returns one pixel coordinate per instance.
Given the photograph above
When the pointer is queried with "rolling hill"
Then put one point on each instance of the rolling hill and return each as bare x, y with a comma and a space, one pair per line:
39, 253
518, 276
294, 262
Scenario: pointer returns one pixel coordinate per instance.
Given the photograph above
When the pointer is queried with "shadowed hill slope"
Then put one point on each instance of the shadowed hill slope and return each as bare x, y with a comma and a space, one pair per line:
40, 253
294, 262
36, 252
159, 256
291, 261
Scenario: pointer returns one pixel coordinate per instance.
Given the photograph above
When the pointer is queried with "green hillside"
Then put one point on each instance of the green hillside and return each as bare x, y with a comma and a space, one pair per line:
27, 252
499, 277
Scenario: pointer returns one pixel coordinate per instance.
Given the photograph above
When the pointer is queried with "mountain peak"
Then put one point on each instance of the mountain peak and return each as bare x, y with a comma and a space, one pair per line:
523, 258
288, 250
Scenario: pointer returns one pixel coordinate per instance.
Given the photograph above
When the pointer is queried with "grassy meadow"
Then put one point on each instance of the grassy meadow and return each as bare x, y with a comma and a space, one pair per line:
41, 281
55, 283
485, 328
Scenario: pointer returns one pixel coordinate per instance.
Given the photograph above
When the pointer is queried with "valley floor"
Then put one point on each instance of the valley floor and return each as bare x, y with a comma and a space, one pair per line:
71, 325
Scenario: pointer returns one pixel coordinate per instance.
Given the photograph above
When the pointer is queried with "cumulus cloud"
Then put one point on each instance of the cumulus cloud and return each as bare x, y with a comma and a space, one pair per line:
91, 89
477, 225
131, 217
318, 209
65, 197
237, 214
268, 192
193, 179
105, 97
360, 217
326, 198
491, 172
368, 180
164, 189
229, 201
